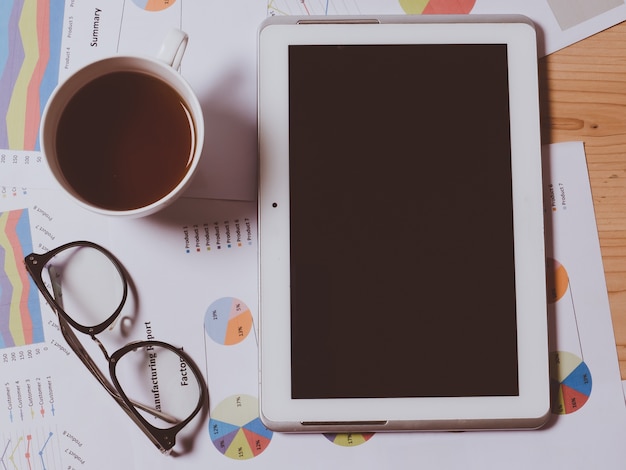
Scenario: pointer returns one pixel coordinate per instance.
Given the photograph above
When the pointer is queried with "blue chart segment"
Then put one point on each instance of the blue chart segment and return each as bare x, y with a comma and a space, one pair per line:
20, 312
236, 429
154, 5
571, 383
30, 49
228, 321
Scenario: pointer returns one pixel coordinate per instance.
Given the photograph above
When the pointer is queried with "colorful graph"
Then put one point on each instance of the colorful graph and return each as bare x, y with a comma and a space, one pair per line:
355, 7
38, 449
30, 47
236, 429
154, 5
20, 312
437, 7
228, 321
349, 439
570, 381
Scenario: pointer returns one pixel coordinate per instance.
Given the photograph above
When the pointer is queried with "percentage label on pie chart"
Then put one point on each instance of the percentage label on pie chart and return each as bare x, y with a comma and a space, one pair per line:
236, 429
437, 7
349, 439
228, 321
570, 382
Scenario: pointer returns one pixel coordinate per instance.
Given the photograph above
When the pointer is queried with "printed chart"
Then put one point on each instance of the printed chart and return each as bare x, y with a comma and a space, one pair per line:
30, 450
570, 381
30, 48
154, 5
557, 280
570, 377
20, 312
228, 321
437, 7
236, 429
356, 7
349, 439
312, 7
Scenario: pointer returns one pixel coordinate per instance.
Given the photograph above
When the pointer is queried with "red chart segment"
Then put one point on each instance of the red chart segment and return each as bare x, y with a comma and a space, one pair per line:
236, 429
437, 7
571, 383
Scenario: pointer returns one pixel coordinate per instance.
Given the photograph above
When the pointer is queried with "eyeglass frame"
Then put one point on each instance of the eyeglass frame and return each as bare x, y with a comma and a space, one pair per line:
164, 439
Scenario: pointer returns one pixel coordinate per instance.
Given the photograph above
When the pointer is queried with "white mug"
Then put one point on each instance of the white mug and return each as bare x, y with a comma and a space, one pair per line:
123, 136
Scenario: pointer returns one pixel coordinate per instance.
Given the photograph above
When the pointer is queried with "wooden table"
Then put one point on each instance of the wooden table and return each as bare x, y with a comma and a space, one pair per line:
584, 99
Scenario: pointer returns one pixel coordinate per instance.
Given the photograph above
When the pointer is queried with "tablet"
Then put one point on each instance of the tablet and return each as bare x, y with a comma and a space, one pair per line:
401, 249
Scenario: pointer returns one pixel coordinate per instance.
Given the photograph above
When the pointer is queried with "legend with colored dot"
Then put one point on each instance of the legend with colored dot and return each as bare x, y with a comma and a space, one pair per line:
215, 236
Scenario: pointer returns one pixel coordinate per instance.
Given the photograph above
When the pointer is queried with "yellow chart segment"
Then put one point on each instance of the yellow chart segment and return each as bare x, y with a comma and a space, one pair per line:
570, 382
562, 364
349, 439
239, 448
236, 429
16, 113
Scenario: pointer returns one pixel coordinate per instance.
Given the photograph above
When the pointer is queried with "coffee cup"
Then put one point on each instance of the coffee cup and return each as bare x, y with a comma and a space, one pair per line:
123, 136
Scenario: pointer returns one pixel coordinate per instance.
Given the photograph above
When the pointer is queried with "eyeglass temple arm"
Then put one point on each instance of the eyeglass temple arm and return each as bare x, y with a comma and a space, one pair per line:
95, 370
86, 359
159, 414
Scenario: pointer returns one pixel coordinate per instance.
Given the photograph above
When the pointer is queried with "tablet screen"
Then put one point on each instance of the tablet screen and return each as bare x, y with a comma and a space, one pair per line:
401, 222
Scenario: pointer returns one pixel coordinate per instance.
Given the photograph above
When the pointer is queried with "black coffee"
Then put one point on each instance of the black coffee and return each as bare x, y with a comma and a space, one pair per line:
124, 140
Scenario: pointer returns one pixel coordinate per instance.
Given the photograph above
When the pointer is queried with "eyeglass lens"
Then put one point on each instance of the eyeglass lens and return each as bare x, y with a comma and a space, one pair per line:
88, 283
156, 379
159, 383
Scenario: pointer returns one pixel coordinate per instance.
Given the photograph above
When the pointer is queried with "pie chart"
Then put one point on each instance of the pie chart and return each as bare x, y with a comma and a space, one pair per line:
557, 280
349, 439
437, 7
154, 5
228, 321
570, 382
236, 429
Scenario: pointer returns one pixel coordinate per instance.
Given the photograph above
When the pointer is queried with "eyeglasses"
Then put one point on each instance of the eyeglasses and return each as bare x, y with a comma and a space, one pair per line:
158, 385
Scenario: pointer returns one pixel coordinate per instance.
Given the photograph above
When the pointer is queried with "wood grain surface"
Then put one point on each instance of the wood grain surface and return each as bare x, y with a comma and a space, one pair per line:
583, 98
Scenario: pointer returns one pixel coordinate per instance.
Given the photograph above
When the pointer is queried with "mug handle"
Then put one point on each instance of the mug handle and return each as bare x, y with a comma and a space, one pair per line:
173, 48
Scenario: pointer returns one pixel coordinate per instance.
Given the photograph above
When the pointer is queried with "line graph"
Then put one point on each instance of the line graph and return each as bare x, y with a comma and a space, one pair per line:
313, 7
359, 7
29, 450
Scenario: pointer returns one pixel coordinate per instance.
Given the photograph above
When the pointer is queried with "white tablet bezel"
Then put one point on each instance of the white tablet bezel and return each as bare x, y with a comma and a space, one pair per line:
278, 410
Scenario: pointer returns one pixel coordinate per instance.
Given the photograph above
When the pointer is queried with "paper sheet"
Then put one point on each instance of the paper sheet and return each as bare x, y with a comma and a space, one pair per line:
192, 259
220, 63
53, 414
560, 22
